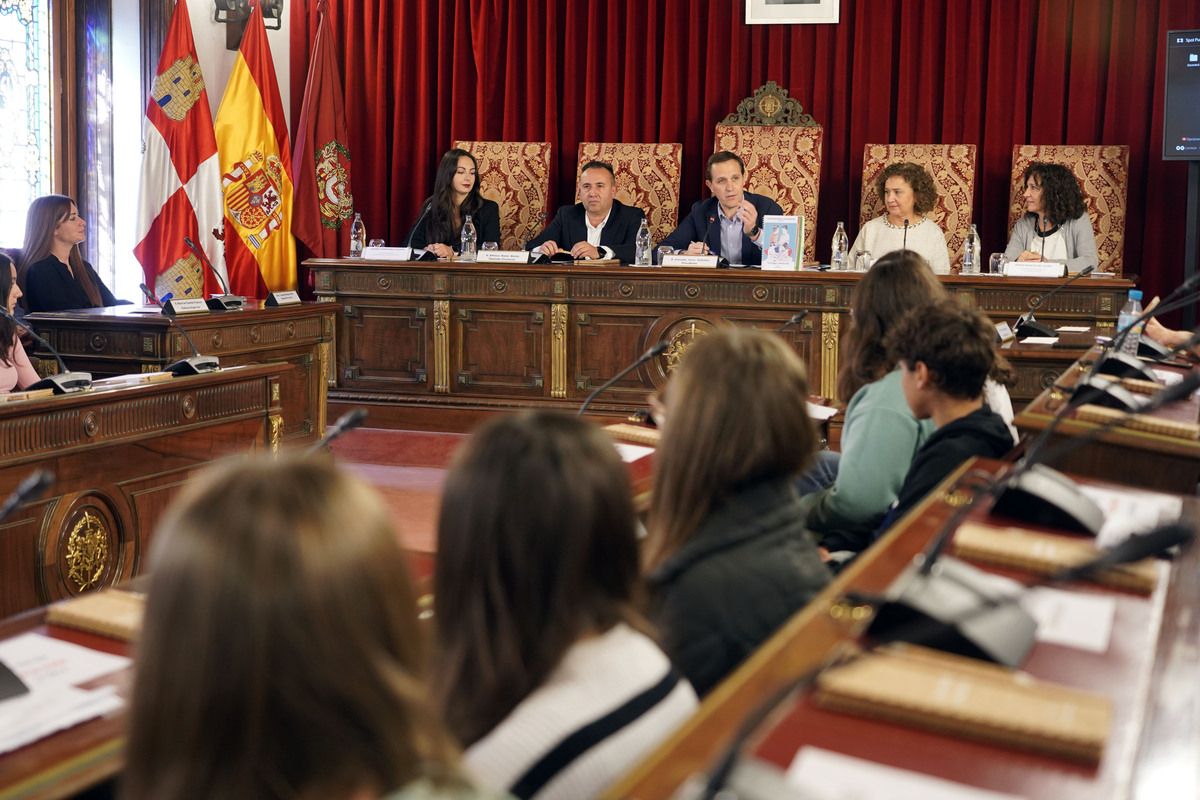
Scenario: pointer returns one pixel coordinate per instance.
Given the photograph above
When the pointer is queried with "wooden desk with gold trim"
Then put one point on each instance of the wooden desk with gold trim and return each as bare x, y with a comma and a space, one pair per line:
118, 457
125, 339
419, 339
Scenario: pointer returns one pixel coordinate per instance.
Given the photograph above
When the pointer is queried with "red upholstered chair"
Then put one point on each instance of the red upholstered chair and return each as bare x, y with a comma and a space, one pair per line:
952, 167
517, 176
781, 146
647, 178
1103, 171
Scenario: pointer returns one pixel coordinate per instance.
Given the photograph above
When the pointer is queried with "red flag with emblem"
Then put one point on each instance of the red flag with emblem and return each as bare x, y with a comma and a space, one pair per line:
322, 157
256, 170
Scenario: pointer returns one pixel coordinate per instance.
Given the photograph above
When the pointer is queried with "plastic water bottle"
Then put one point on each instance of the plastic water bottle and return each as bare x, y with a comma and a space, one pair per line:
641, 245
1129, 312
358, 237
841, 247
467, 251
971, 253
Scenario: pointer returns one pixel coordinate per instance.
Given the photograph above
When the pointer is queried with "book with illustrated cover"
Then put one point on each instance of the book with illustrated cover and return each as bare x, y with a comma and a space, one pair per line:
782, 242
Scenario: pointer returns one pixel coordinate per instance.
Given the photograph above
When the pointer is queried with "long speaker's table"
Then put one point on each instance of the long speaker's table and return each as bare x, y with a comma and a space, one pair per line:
1148, 674
118, 456
125, 339
419, 341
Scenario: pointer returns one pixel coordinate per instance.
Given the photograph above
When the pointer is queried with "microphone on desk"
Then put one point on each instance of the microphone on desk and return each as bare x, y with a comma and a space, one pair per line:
417, 224
707, 228
29, 490
346, 423
65, 382
1026, 325
762, 781
1114, 362
795, 320
1042, 237
533, 229
195, 365
225, 302
904, 245
658, 349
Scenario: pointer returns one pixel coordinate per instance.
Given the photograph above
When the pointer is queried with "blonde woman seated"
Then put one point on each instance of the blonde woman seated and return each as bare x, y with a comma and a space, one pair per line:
908, 194
280, 655
727, 556
542, 666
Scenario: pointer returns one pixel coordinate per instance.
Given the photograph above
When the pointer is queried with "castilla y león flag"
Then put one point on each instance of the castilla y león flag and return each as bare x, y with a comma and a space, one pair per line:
181, 180
322, 158
256, 170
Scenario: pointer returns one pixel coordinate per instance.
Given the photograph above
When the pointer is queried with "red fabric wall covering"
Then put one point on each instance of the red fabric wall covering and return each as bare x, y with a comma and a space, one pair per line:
421, 73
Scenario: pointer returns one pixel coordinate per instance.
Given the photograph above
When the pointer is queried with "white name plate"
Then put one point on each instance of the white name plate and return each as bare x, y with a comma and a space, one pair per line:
282, 299
387, 253
1035, 269
502, 257
1004, 332
179, 305
690, 261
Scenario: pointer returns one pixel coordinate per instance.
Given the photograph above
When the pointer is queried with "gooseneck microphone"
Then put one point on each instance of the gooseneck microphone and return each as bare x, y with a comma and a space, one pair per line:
417, 224
1028, 326
707, 228
658, 349
346, 423
65, 382
225, 302
1042, 237
794, 320
195, 365
904, 246
29, 490
533, 229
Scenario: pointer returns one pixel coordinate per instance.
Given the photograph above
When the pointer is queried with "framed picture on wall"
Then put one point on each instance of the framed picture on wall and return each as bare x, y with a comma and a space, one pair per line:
791, 12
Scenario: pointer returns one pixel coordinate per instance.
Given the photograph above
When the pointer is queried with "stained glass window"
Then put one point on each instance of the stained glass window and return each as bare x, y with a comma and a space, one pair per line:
26, 150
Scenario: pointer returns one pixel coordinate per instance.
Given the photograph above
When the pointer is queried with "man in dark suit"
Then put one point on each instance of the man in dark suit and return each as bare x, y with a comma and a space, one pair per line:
728, 223
598, 227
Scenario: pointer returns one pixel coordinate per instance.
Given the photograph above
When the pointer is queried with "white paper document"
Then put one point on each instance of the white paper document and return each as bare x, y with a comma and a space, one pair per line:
41, 661
821, 413
1130, 511
1039, 340
632, 452
826, 775
1073, 329
1168, 378
1072, 619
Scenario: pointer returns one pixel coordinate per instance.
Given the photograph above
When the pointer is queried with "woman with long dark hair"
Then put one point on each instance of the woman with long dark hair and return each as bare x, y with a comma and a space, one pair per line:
280, 654
52, 273
541, 664
15, 369
727, 558
455, 195
1056, 225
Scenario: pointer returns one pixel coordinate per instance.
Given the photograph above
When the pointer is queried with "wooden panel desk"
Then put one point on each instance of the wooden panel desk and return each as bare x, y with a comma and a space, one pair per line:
421, 341
1155, 733
125, 339
118, 457
1121, 455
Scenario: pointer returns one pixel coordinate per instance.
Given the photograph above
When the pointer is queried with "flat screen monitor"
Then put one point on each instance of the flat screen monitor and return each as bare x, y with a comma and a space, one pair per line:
1181, 105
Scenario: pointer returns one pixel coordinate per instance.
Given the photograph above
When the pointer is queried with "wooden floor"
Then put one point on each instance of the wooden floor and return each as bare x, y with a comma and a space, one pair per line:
408, 469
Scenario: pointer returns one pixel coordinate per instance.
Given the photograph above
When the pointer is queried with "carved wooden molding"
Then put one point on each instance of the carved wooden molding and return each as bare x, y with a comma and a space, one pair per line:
558, 352
770, 105
441, 346
830, 325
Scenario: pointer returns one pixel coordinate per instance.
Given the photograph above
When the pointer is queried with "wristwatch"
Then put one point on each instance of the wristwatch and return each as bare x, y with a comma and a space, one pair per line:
755, 231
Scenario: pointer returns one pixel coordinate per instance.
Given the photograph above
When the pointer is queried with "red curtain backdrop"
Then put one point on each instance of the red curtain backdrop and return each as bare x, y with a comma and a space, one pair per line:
422, 73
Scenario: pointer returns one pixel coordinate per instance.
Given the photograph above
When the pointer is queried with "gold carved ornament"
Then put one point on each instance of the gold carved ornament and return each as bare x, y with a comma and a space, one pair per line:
680, 343
87, 552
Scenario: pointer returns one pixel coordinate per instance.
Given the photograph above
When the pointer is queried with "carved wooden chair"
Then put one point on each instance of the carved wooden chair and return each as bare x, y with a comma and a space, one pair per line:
781, 146
952, 167
517, 176
647, 178
1103, 172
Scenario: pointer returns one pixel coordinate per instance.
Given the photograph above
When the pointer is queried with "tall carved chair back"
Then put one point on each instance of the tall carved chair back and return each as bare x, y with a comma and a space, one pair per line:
1103, 172
647, 178
952, 167
517, 176
781, 146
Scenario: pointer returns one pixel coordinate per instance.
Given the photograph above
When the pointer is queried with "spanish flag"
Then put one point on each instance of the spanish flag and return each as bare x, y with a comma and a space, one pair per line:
256, 171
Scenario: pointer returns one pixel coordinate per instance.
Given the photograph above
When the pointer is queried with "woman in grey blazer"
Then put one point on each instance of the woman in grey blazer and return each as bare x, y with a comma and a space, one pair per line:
1056, 226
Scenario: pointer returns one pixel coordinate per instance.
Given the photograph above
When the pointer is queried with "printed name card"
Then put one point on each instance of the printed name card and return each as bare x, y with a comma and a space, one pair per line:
1035, 269
684, 260
282, 299
179, 305
1004, 332
387, 253
502, 257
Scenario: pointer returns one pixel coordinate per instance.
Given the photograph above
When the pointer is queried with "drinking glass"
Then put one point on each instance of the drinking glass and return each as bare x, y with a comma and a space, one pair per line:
663, 251
997, 263
491, 246
862, 261
377, 243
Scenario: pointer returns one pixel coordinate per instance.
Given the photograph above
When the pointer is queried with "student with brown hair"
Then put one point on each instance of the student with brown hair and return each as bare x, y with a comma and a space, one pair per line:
280, 655
540, 664
727, 556
51, 271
